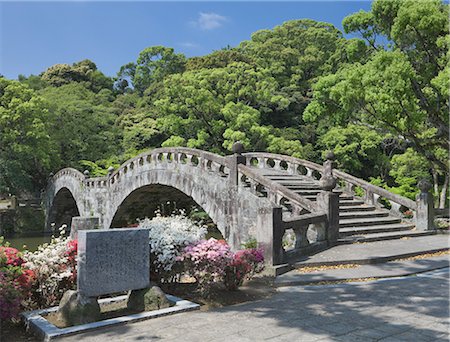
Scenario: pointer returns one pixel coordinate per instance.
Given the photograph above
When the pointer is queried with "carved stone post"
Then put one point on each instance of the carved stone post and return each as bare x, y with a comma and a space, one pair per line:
83, 223
328, 200
270, 234
425, 207
234, 219
234, 160
110, 171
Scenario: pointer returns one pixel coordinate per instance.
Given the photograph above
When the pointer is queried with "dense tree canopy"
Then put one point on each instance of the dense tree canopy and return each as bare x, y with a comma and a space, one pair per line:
402, 88
379, 100
25, 144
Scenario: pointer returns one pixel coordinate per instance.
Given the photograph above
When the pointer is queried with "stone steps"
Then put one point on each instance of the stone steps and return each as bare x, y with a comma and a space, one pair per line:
353, 208
368, 221
350, 203
358, 221
391, 235
375, 229
363, 214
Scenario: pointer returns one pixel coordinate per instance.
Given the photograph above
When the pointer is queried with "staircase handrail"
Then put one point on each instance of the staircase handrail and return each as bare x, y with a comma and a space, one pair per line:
368, 187
278, 188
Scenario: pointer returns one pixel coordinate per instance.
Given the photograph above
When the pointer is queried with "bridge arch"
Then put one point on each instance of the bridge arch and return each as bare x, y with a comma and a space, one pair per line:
64, 197
207, 188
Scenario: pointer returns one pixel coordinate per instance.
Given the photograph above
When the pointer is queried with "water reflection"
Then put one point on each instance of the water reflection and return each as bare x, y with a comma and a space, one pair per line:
31, 243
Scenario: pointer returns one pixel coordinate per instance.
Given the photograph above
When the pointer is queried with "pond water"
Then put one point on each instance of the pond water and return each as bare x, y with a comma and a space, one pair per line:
31, 243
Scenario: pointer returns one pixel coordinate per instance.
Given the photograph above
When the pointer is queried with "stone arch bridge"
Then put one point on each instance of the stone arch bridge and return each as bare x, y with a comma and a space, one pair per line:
273, 198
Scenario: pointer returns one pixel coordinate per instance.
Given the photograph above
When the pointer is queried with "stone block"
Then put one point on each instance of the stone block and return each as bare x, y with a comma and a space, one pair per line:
113, 260
75, 309
148, 299
82, 223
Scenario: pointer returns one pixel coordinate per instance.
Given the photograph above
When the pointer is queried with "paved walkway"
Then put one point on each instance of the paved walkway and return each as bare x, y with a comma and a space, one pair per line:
383, 270
414, 308
378, 251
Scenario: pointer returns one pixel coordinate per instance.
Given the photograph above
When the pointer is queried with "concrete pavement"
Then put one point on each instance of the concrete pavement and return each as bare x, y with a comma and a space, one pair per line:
414, 308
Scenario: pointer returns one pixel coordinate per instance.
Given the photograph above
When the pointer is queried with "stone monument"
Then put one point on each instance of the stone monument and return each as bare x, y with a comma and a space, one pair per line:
111, 261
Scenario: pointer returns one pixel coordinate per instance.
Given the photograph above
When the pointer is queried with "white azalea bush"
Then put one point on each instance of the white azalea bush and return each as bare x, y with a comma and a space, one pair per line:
54, 266
168, 236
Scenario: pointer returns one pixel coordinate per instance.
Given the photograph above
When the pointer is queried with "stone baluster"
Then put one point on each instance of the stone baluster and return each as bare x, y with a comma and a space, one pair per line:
292, 168
309, 172
277, 165
395, 209
328, 200
425, 207
301, 238
348, 188
262, 162
375, 202
369, 197
110, 171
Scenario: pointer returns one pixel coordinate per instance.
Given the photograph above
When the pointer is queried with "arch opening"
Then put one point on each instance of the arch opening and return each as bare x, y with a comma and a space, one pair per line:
146, 201
64, 207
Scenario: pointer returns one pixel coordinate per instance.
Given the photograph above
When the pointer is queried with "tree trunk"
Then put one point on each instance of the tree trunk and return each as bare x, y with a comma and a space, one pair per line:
443, 196
436, 187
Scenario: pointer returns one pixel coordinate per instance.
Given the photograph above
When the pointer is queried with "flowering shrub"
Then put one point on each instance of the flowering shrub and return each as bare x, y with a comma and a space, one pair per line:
244, 265
211, 261
206, 261
15, 282
168, 237
54, 265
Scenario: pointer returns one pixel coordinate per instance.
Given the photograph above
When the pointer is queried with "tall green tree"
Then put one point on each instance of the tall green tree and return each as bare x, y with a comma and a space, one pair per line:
84, 71
26, 150
82, 123
402, 88
153, 64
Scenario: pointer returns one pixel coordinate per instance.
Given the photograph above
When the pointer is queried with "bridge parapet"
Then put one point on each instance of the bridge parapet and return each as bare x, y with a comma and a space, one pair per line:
68, 171
371, 194
163, 157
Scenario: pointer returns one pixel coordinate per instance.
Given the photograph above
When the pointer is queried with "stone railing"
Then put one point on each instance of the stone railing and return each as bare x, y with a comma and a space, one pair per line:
275, 192
372, 194
310, 221
68, 171
163, 157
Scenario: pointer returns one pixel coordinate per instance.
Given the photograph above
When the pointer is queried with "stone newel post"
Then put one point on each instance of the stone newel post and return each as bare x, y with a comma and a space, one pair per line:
234, 160
425, 208
328, 200
234, 226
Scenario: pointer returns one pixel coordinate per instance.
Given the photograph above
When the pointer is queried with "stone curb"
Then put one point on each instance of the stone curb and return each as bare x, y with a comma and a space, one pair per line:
35, 321
383, 270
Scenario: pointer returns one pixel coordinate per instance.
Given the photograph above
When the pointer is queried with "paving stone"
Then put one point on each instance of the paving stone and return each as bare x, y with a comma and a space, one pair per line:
377, 310
338, 328
383, 270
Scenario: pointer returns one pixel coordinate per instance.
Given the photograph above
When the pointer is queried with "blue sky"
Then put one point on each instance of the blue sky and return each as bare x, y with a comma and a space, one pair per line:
35, 35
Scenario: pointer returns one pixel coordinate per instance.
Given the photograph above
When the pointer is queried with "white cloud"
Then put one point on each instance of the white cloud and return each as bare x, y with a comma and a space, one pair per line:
209, 21
189, 45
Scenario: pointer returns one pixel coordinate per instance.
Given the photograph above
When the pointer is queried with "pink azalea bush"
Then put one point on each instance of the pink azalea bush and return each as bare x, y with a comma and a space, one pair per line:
212, 261
206, 260
15, 282
244, 265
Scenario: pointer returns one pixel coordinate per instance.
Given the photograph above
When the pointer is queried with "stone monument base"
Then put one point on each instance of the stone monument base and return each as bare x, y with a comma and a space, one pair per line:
148, 299
75, 309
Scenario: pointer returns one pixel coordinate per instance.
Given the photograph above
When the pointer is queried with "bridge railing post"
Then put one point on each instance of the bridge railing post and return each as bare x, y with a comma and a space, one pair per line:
328, 200
425, 207
270, 233
233, 162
